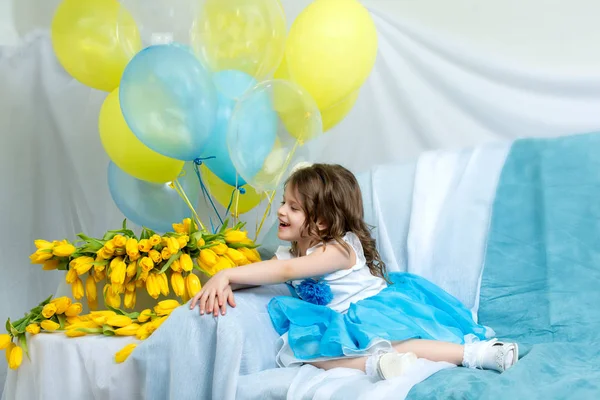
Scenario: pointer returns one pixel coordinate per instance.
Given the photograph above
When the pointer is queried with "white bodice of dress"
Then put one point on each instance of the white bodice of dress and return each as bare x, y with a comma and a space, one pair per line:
348, 285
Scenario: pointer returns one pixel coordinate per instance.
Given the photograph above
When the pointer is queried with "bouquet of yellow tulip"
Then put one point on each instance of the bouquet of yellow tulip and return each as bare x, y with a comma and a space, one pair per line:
126, 262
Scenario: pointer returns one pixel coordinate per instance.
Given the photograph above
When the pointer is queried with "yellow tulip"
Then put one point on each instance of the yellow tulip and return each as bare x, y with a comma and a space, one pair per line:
92, 304
186, 262
236, 236
165, 253
236, 256
74, 333
71, 276
129, 330
73, 320
155, 256
165, 307
131, 270
80, 260
49, 325
15, 358
144, 315
142, 279
33, 329
42, 244
5, 340
219, 248
224, 263
208, 257
200, 242
129, 299
192, 285
104, 254
49, 310
158, 322
146, 263
91, 290
163, 284
131, 246
176, 266
9, 349
154, 240
64, 250
172, 245
111, 298
144, 331
117, 270
106, 313
99, 267
251, 254
74, 310
99, 276
124, 353
40, 256
77, 289
50, 265
130, 286
183, 241
61, 303
144, 245
99, 319
119, 321
152, 286
119, 241
184, 227
109, 248
178, 283
210, 270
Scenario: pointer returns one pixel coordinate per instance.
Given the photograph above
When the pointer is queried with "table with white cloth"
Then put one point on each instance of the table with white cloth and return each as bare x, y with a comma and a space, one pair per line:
74, 368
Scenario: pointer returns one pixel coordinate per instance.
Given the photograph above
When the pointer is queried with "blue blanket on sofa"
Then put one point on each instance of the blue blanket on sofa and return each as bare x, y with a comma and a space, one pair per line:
541, 280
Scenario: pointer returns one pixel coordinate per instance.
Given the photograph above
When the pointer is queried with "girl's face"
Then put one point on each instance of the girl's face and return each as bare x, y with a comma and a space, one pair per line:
291, 217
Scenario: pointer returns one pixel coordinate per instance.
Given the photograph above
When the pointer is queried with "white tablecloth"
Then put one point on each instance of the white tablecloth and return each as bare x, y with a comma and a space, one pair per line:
73, 368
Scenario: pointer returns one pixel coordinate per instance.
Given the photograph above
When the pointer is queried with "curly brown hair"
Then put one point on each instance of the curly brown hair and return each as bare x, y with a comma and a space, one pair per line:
330, 195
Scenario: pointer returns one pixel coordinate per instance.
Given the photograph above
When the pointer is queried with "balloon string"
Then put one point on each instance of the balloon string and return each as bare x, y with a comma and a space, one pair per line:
205, 192
179, 189
285, 167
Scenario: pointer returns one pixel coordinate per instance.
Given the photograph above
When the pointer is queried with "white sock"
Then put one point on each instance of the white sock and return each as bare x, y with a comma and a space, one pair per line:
372, 363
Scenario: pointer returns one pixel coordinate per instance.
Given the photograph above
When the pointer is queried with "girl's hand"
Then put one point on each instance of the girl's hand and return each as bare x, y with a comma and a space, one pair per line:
214, 295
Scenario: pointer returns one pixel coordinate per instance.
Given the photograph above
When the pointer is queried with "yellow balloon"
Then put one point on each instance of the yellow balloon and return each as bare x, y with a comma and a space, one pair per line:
126, 150
222, 193
330, 116
88, 44
337, 112
331, 49
245, 35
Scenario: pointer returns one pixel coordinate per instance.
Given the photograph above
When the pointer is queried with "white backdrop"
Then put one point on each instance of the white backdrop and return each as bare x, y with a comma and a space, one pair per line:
448, 74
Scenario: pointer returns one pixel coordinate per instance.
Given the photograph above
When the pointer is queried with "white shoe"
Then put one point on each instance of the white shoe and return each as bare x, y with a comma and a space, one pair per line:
392, 365
497, 356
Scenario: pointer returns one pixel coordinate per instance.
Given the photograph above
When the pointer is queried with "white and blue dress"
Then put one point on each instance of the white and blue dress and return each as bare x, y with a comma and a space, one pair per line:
363, 314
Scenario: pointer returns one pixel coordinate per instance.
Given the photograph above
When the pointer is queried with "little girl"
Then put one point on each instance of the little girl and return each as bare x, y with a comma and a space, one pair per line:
347, 312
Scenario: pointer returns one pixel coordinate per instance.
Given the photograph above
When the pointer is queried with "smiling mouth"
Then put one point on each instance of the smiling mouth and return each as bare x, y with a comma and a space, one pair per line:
283, 224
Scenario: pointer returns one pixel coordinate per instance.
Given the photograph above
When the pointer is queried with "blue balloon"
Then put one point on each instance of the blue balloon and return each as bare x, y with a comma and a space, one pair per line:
169, 101
230, 85
153, 205
253, 131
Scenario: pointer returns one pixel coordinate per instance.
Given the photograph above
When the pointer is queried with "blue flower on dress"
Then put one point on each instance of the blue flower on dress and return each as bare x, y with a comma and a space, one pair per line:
315, 292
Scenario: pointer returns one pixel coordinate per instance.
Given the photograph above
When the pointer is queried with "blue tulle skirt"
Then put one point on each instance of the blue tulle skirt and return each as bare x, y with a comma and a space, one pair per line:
411, 307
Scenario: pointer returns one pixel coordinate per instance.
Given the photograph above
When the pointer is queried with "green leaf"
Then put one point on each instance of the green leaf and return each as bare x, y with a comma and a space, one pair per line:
139, 272
170, 261
125, 224
62, 320
23, 342
132, 315
8, 325
224, 226
62, 266
240, 245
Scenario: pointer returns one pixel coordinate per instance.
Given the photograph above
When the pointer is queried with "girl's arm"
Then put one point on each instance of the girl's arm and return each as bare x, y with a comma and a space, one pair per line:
323, 260
239, 286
